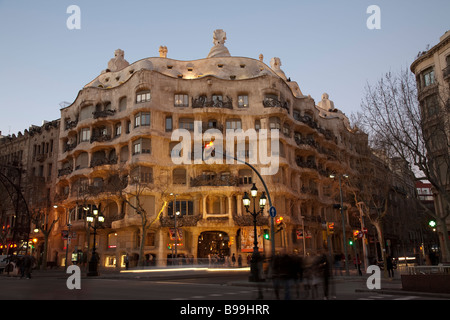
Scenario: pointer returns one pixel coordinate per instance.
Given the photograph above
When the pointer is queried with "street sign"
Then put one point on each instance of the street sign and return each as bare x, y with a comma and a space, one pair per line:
272, 212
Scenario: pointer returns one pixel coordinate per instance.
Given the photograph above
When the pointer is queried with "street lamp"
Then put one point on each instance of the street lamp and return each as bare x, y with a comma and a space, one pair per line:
95, 221
332, 176
254, 277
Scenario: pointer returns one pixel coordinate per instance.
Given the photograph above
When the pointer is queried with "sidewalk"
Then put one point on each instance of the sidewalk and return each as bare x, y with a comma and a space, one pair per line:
389, 286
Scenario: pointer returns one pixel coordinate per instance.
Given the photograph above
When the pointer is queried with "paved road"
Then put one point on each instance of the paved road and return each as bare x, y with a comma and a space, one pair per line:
190, 285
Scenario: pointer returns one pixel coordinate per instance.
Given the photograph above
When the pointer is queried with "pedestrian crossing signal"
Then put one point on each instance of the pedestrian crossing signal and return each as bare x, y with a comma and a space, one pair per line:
266, 234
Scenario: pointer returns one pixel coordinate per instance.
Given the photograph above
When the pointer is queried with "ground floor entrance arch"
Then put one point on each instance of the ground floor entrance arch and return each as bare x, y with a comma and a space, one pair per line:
213, 245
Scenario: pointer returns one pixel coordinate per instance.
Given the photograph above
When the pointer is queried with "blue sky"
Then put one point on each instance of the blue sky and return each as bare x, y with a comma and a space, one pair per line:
323, 45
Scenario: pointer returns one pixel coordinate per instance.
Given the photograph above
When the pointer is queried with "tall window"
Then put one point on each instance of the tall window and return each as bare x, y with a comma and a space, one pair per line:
186, 123
185, 207
118, 129
142, 174
143, 96
234, 124
245, 176
274, 123
85, 134
142, 145
169, 125
181, 100
243, 101
428, 77
142, 119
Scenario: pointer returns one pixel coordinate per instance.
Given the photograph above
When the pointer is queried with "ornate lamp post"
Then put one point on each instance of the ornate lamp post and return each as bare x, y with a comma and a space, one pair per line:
254, 276
95, 221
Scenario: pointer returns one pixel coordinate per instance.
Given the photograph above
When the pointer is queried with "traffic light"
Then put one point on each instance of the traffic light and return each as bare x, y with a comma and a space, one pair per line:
330, 227
432, 224
355, 234
279, 224
266, 234
350, 241
208, 151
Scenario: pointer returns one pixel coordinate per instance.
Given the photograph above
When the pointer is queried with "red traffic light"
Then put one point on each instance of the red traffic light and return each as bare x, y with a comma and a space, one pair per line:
209, 144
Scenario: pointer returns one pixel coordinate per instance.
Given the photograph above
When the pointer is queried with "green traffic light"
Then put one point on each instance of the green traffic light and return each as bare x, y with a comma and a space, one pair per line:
350, 242
432, 223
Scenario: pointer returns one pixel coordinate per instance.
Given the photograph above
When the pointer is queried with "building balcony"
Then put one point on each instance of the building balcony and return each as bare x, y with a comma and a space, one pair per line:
271, 102
100, 138
217, 181
65, 171
306, 164
70, 124
103, 161
103, 113
204, 102
182, 221
69, 146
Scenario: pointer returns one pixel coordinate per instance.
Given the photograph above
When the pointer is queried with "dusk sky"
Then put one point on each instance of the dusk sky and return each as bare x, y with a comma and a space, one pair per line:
325, 46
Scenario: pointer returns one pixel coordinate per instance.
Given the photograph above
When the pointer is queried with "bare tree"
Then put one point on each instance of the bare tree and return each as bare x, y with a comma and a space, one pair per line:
40, 218
396, 122
370, 191
134, 190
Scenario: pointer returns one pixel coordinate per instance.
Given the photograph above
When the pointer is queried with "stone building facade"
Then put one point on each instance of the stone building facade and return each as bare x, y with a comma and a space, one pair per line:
28, 169
123, 121
432, 71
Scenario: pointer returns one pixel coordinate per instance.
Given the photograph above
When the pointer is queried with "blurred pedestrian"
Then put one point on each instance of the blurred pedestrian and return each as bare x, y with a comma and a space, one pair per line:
127, 262
27, 266
357, 263
390, 266
324, 270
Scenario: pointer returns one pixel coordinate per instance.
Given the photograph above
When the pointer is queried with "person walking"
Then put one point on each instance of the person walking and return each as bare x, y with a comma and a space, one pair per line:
127, 262
27, 266
390, 266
